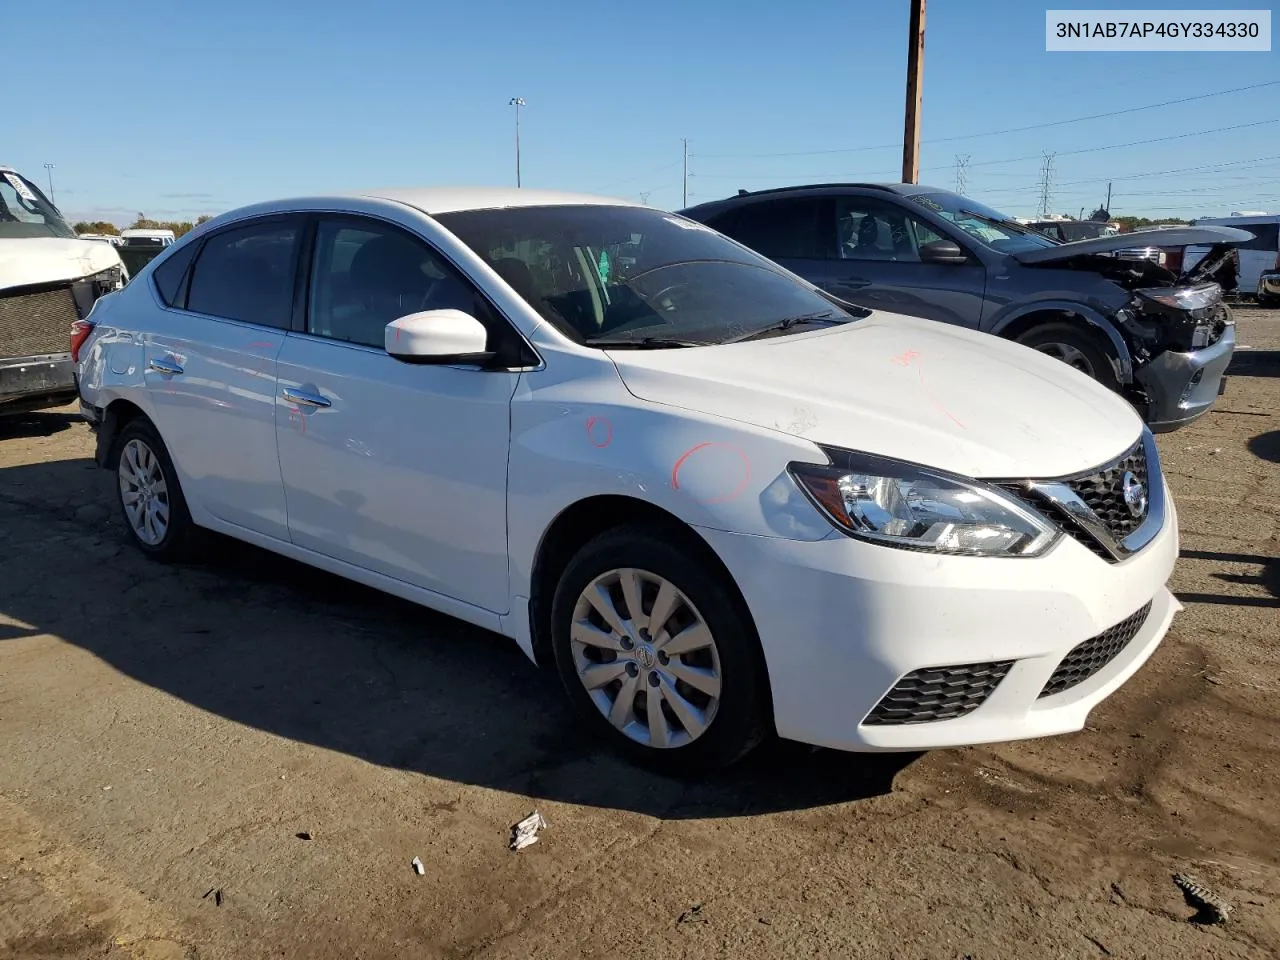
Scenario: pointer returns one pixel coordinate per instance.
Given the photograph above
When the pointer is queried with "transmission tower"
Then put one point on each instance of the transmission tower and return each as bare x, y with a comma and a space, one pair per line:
644, 197
962, 173
1046, 183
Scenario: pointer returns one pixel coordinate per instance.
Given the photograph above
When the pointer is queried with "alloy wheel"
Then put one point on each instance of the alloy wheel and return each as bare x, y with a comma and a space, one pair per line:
646, 657
1072, 356
144, 492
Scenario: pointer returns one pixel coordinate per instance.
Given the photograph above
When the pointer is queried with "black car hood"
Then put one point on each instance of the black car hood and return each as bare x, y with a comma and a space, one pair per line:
1173, 237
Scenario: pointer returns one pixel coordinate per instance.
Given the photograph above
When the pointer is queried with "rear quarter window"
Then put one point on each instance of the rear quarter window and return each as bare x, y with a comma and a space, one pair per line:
169, 275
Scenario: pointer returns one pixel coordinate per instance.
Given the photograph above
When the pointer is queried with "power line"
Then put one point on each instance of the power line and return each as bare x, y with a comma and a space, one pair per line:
1131, 143
996, 133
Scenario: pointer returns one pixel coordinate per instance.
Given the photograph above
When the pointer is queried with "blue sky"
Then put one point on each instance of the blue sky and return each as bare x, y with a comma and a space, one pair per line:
177, 109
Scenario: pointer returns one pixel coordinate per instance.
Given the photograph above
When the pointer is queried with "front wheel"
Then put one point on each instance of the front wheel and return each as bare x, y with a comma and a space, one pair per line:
1075, 347
655, 652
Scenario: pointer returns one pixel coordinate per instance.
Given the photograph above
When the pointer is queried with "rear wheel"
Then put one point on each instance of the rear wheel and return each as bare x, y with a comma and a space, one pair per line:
1075, 347
656, 653
151, 501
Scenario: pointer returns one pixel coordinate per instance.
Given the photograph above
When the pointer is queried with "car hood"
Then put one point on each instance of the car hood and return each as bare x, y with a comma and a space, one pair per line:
900, 387
1174, 237
29, 260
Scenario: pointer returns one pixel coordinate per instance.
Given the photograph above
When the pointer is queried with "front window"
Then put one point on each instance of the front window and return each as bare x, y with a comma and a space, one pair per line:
608, 273
25, 213
990, 227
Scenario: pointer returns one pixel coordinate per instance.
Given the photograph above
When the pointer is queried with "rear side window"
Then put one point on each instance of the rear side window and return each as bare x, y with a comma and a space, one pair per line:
170, 274
246, 274
1266, 236
793, 229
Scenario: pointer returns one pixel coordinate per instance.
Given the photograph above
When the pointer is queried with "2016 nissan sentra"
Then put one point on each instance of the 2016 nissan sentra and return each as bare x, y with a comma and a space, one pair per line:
719, 501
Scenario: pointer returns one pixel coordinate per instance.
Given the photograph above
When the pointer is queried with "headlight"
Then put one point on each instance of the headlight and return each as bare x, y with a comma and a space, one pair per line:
903, 505
1184, 298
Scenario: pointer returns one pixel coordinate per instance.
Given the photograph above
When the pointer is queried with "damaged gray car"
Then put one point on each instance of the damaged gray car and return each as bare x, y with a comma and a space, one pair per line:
1160, 338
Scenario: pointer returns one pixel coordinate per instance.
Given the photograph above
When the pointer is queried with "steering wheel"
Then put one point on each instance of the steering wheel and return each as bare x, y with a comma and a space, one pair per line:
665, 294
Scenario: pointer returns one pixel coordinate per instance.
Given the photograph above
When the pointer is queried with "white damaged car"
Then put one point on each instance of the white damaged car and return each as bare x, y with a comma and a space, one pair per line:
49, 281
717, 501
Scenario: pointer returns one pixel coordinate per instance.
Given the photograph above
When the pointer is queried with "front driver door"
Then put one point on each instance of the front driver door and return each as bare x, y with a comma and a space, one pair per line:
394, 467
877, 264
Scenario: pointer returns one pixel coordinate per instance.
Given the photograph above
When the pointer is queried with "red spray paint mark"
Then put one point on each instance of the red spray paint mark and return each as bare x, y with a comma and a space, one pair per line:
732, 494
905, 359
599, 432
937, 404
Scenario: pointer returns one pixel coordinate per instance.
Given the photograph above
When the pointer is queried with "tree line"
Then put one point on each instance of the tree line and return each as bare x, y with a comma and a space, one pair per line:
143, 222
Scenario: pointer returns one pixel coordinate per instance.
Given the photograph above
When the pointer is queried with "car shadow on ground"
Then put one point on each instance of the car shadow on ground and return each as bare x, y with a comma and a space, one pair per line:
301, 654
35, 424
1266, 446
1254, 363
1268, 578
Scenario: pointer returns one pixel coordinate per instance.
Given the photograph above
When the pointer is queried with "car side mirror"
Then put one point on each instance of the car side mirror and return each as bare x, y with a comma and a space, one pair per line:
440, 337
942, 251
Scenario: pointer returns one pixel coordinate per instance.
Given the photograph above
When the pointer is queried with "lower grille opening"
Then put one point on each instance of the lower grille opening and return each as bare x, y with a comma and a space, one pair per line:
37, 322
938, 693
1086, 659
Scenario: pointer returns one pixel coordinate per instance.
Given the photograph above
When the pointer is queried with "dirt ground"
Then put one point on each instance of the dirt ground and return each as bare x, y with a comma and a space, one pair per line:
170, 736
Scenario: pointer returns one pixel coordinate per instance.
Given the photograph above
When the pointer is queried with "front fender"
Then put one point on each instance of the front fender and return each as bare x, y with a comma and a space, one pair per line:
1094, 318
708, 472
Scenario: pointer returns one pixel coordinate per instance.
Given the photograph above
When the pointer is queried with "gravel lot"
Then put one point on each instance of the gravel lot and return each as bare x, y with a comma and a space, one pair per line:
168, 733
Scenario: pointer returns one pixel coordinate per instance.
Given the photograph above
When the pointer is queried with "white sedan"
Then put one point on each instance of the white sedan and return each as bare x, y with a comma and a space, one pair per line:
718, 501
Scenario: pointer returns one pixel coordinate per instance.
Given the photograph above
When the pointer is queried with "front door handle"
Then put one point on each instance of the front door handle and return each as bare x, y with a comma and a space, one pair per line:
165, 367
305, 398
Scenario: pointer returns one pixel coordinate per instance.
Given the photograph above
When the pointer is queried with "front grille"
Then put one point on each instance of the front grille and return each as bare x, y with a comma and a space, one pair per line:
938, 693
1103, 492
37, 323
1086, 659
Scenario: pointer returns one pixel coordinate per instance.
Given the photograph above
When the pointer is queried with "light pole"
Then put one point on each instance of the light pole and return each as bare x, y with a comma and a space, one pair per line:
49, 167
517, 102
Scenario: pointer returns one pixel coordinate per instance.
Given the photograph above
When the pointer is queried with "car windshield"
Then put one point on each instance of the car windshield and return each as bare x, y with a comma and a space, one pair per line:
25, 213
614, 275
990, 227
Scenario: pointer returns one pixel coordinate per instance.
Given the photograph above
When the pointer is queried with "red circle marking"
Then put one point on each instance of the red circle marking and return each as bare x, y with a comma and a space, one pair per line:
733, 494
592, 423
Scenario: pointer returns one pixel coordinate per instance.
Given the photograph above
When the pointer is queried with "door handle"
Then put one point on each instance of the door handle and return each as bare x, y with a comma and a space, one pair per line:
853, 283
305, 398
165, 367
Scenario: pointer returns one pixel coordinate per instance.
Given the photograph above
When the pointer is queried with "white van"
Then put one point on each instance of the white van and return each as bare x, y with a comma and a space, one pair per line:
1259, 256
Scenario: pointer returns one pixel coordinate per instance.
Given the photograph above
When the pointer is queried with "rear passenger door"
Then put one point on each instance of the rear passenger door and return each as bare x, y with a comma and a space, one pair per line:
211, 368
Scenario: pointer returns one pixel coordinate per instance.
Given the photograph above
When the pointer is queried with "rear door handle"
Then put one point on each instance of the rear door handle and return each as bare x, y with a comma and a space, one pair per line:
165, 367
303, 397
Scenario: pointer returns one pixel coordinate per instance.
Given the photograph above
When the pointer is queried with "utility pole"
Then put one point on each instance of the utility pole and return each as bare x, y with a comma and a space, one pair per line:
962, 173
685, 142
49, 167
1046, 183
517, 102
915, 90
1108, 206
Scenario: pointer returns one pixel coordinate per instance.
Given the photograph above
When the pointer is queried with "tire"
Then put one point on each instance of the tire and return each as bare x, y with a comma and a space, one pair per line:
731, 668
145, 475
1076, 346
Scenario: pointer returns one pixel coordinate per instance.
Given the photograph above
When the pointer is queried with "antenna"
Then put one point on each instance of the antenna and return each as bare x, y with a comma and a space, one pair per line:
1046, 183
962, 173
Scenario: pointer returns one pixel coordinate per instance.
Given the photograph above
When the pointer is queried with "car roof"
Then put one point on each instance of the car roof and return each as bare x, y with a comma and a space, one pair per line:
900, 189
433, 200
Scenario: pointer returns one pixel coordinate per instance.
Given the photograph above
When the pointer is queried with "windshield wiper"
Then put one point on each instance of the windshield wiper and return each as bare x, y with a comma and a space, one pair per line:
826, 316
640, 343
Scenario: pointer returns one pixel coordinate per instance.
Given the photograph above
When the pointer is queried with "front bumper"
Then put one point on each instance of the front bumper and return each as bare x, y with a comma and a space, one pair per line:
36, 383
1182, 387
842, 621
